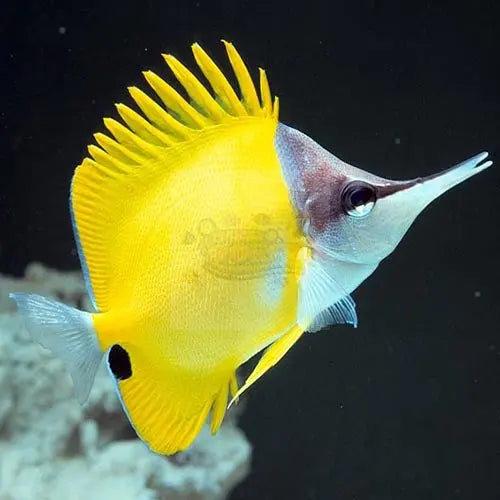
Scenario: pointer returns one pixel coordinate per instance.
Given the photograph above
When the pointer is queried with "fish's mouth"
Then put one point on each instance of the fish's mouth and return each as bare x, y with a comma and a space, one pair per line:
455, 175
427, 189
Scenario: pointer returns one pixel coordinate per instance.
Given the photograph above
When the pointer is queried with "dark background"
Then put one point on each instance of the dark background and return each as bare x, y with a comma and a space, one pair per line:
405, 407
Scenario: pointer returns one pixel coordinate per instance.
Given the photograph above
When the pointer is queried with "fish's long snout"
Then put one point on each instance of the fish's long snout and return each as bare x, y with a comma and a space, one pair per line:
435, 185
400, 203
416, 194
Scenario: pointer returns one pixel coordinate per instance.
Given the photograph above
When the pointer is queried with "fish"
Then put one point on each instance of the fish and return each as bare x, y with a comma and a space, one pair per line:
208, 232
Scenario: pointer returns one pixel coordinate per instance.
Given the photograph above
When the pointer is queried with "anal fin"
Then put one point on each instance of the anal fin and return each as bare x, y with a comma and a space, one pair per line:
167, 405
219, 408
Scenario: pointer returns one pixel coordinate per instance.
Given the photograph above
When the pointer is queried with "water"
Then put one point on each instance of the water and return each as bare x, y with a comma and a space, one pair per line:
404, 407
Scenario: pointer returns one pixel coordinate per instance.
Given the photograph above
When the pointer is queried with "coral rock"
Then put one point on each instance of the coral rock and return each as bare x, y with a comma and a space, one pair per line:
51, 447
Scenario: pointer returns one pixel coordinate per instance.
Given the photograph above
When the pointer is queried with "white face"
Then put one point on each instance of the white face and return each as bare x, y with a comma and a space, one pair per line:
351, 216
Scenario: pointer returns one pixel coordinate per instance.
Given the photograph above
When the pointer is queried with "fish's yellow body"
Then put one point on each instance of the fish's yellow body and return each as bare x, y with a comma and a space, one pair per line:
191, 243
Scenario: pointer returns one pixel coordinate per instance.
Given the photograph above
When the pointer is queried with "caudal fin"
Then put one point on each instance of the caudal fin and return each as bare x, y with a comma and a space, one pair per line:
67, 332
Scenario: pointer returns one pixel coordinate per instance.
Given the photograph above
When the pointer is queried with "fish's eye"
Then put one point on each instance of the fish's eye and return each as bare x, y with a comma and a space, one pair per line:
358, 199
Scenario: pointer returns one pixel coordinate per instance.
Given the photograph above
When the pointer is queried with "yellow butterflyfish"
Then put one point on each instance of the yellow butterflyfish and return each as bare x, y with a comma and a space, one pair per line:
208, 231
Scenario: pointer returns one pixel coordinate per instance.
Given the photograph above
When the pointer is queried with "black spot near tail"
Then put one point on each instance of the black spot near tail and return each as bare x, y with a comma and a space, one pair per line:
119, 362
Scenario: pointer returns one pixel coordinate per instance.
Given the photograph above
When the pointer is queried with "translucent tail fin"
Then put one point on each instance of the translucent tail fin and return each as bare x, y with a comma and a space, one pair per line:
67, 332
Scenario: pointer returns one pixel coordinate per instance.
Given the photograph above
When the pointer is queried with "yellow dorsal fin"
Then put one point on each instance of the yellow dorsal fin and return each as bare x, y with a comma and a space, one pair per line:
142, 149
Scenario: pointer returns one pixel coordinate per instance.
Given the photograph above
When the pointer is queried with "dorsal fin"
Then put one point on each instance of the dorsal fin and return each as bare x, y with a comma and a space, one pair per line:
181, 118
145, 146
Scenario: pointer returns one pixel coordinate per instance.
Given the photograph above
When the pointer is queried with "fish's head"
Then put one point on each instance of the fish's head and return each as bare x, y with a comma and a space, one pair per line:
350, 215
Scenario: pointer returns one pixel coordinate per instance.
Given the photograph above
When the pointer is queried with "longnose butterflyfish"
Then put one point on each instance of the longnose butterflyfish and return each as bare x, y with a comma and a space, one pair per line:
208, 231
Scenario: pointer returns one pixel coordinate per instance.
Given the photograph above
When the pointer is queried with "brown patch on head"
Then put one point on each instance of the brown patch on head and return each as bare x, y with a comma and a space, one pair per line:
323, 187
315, 178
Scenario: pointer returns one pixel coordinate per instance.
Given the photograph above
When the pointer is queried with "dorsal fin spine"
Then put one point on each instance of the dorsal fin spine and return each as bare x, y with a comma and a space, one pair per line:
265, 93
247, 88
142, 128
103, 158
174, 101
158, 116
196, 91
116, 150
138, 147
218, 82
276, 108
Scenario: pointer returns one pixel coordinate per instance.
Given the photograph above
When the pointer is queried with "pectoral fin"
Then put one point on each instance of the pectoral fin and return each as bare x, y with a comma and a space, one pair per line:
322, 299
